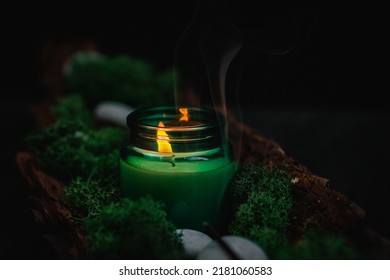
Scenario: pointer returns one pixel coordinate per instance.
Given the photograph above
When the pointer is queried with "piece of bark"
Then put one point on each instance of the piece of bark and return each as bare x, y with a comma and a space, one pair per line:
48, 210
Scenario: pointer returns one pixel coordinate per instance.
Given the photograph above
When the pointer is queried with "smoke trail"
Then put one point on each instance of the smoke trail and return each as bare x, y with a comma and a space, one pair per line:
216, 45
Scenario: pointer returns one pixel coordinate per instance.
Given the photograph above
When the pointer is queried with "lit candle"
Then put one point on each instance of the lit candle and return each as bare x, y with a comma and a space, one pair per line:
181, 158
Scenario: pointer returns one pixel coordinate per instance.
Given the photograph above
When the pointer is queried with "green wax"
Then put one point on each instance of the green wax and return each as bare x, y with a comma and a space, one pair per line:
191, 190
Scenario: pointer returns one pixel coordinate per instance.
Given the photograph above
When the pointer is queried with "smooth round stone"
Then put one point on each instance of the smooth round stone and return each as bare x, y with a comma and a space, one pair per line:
242, 247
113, 112
193, 241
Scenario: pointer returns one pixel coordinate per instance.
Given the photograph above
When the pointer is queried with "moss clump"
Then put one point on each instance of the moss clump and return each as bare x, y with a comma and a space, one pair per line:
72, 108
72, 148
133, 230
123, 79
264, 200
319, 246
90, 196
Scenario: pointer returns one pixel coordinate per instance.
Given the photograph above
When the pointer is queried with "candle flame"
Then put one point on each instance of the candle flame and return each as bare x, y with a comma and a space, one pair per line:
163, 140
184, 112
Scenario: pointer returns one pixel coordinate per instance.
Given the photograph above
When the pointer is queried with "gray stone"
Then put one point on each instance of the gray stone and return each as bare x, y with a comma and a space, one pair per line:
242, 247
113, 112
193, 241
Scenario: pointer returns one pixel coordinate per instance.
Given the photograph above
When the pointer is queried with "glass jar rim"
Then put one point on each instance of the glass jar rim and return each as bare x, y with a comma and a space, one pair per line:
207, 118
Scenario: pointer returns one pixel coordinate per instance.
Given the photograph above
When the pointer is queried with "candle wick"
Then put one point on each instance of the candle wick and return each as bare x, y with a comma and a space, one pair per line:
170, 159
214, 235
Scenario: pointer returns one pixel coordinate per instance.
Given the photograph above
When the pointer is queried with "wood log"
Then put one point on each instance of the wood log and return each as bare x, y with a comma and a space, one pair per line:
48, 210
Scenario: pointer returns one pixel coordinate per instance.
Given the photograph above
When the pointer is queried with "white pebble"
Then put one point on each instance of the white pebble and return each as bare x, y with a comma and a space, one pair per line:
242, 247
193, 241
113, 112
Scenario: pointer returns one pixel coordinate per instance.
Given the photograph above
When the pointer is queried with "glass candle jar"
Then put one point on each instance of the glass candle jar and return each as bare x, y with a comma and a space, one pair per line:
180, 157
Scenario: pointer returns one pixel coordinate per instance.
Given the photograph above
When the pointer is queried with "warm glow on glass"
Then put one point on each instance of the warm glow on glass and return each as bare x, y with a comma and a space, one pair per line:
163, 140
184, 112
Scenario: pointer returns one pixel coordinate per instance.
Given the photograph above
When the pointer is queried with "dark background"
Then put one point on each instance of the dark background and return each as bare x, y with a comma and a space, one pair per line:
323, 100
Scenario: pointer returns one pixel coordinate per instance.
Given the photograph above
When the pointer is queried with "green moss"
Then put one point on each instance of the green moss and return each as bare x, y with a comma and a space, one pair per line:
268, 238
264, 200
133, 230
72, 148
90, 196
123, 78
72, 108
